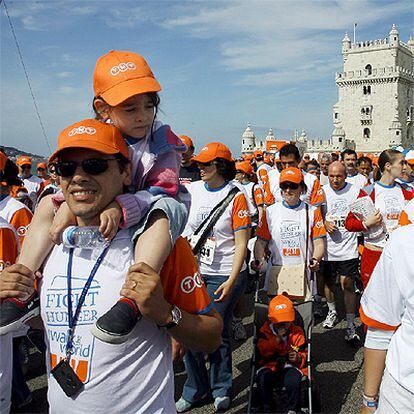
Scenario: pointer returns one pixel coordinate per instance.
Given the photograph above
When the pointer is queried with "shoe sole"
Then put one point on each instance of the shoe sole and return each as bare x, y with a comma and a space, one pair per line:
330, 327
107, 337
15, 325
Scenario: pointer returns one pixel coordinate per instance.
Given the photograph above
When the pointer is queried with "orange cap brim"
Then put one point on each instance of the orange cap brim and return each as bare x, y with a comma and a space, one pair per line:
124, 90
88, 144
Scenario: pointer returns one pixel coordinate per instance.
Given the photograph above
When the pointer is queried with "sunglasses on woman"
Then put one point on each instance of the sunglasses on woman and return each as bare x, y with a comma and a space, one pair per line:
205, 164
91, 166
285, 186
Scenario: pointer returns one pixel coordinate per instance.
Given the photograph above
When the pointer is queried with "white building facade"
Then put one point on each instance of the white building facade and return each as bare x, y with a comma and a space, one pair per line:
376, 88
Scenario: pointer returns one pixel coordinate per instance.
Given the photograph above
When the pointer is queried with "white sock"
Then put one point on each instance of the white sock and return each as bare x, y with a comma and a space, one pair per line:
331, 306
350, 318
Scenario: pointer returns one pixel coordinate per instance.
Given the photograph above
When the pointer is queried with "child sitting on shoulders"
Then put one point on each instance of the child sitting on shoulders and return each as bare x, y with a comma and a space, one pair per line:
282, 355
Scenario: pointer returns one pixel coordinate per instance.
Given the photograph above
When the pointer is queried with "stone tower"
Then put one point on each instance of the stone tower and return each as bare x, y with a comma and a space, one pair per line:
376, 94
248, 140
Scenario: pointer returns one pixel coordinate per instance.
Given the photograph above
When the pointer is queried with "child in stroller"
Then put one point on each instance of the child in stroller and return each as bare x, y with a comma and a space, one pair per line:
282, 350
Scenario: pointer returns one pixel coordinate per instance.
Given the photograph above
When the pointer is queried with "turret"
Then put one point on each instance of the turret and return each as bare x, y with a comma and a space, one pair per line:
338, 139
394, 36
395, 132
270, 135
346, 44
248, 140
410, 44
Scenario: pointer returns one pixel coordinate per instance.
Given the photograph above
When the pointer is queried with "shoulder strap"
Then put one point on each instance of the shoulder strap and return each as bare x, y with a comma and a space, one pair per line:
212, 219
307, 233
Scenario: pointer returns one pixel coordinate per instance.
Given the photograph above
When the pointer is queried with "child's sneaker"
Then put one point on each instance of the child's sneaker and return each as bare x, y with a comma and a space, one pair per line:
331, 320
115, 325
221, 403
351, 335
239, 331
14, 312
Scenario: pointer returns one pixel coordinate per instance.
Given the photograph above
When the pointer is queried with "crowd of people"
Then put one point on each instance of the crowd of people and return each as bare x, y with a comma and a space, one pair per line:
172, 241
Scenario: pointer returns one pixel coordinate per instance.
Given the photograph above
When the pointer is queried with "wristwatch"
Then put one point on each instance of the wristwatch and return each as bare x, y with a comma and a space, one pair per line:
176, 318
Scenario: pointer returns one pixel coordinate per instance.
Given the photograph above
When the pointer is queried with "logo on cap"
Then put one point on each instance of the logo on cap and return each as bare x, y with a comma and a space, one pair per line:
204, 149
82, 130
122, 67
290, 172
280, 307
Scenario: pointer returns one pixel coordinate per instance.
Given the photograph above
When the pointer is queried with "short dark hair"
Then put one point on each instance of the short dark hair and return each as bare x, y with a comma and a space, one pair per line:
364, 159
348, 151
388, 155
10, 174
290, 149
226, 168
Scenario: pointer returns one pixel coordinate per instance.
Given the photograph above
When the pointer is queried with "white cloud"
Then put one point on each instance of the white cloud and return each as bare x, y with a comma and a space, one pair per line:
281, 41
65, 74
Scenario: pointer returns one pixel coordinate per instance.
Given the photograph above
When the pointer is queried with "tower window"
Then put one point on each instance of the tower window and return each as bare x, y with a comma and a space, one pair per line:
336, 115
367, 133
368, 68
367, 90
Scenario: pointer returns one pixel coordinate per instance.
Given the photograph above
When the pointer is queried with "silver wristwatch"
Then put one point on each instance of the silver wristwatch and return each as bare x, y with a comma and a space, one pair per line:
176, 318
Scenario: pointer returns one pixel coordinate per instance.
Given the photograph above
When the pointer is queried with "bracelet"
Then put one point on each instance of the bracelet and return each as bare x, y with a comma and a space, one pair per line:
370, 402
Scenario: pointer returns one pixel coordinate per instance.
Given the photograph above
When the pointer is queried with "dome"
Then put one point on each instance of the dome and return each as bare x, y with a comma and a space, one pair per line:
338, 132
410, 41
270, 135
346, 38
248, 133
394, 30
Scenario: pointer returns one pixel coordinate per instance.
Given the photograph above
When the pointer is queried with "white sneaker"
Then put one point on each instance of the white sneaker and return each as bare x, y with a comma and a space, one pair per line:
239, 331
351, 335
221, 403
331, 320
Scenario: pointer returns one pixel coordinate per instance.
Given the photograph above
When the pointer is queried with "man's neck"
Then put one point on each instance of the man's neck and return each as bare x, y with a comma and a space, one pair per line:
351, 173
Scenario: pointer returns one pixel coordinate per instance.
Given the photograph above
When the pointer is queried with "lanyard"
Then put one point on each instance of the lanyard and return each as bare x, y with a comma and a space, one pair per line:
73, 318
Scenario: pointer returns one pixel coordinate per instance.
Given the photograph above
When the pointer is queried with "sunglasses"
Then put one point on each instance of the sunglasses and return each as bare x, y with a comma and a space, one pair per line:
26, 167
205, 164
285, 186
91, 166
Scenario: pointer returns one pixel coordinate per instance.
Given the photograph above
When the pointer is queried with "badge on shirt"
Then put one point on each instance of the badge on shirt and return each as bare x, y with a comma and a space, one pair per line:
206, 255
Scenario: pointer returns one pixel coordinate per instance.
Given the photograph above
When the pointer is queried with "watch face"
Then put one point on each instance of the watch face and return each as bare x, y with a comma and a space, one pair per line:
176, 315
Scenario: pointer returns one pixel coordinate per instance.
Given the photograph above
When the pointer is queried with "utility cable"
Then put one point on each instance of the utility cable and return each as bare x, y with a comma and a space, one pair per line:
27, 76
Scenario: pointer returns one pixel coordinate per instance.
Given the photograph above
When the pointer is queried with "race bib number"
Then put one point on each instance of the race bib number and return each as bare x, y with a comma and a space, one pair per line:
338, 221
290, 238
206, 255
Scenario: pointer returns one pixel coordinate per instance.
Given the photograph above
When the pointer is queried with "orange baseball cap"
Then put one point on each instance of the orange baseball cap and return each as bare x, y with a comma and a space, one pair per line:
212, 151
281, 309
244, 166
91, 134
118, 75
187, 141
291, 174
258, 154
42, 165
3, 160
23, 160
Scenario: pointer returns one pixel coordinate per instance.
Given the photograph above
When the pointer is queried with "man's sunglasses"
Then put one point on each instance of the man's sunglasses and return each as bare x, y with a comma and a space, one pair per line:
26, 167
286, 185
92, 166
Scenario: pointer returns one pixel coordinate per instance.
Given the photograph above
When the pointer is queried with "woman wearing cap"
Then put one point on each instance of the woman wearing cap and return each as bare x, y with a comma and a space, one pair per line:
222, 265
283, 351
389, 199
283, 227
244, 172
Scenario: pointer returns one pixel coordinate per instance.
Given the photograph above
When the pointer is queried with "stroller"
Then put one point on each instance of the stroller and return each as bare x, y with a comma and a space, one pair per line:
303, 318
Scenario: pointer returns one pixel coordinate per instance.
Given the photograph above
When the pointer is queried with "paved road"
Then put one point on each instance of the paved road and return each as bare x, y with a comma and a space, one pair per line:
338, 374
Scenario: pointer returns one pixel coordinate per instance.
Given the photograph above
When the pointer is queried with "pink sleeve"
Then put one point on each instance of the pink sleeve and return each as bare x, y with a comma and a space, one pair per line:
163, 177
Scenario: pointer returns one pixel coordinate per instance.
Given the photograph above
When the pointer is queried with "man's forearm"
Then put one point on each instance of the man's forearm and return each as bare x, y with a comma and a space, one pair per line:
374, 365
200, 333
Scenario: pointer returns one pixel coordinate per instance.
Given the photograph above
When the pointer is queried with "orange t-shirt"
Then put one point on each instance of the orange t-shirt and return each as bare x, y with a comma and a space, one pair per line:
9, 245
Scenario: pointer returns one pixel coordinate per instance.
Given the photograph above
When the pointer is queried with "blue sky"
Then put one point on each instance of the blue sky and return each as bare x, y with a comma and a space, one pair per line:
221, 63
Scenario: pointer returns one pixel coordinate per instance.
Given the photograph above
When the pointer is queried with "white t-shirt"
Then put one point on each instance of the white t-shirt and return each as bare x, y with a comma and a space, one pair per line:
389, 299
341, 244
390, 201
284, 227
313, 195
33, 186
133, 377
358, 180
235, 217
324, 179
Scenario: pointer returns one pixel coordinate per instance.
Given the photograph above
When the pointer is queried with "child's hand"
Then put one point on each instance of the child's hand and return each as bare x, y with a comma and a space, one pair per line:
110, 219
63, 219
294, 357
